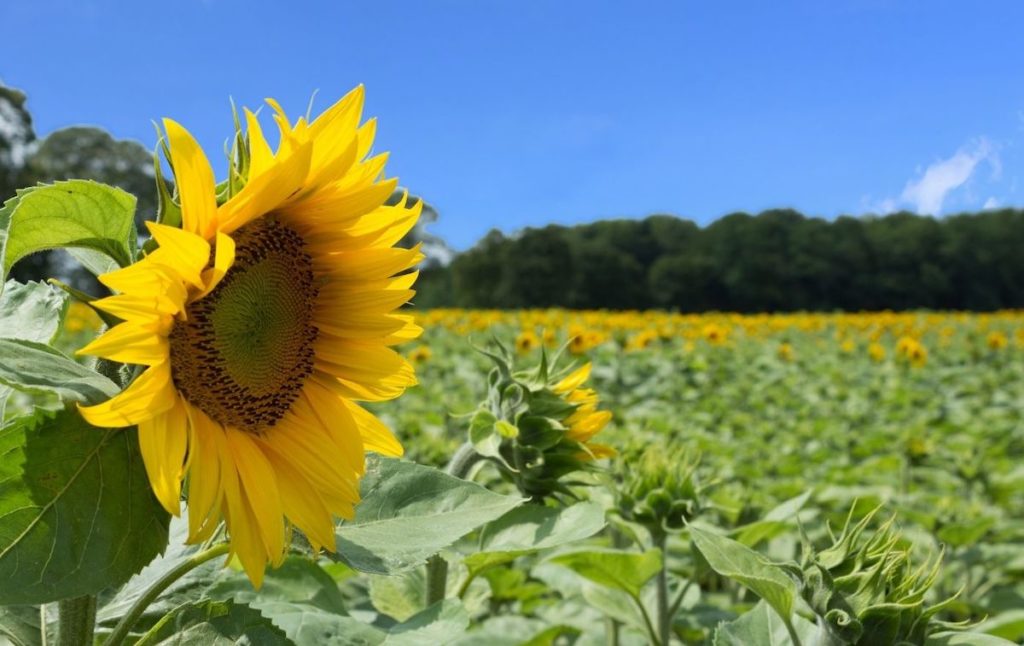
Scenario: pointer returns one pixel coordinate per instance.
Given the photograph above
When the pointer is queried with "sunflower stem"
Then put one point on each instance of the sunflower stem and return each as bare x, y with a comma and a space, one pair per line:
123, 626
437, 568
77, 621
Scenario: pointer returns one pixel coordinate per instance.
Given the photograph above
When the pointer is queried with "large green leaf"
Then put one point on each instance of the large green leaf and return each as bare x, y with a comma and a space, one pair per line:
1008, 624
953, 638
410, 512
94, 220
745, 566
186, 588
618, 569
532, 527
299, 598
21, 625
763, 627
37, 368
441, 623
76, 511
31, 311
215, 623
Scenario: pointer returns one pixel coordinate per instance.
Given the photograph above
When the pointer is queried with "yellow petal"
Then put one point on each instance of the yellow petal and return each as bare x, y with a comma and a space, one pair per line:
224, 257
204, 483
574, 380
302, 503
130, 343
376, 436
163, 441
193, 178
150, 309
259, 487
186, 252
260, 155
267, 192
146, 278
150, 394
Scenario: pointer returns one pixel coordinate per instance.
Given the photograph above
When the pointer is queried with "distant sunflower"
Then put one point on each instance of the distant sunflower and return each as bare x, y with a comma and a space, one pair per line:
261, 322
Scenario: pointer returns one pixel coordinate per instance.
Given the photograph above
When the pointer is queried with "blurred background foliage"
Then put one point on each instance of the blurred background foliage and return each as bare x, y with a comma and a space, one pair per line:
778, 260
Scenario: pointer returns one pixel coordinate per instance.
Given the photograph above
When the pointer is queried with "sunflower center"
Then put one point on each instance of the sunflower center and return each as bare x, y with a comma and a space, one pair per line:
244, 352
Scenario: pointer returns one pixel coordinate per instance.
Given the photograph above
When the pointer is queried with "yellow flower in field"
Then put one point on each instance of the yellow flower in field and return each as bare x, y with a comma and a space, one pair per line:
420, 354
586, 421
527, 341
877, 352
996, 340
549, 337
785, 352
912, 351
261, 323
848, 346
715, 334
642, 340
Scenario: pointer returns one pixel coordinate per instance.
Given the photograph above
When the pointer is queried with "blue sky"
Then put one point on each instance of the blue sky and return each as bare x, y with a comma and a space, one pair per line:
517, 113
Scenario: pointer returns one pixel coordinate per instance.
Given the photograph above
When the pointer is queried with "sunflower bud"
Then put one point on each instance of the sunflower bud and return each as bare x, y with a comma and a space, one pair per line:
537, 425
659, 488
866, 589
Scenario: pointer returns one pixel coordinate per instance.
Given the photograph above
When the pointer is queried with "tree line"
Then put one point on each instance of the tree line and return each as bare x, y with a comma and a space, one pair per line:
777, 260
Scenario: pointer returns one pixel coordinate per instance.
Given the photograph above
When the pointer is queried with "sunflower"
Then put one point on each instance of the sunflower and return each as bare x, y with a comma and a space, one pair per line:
586, 420
260, 324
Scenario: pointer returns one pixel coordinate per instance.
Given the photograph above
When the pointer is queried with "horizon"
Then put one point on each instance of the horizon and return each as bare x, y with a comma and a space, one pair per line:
697, 112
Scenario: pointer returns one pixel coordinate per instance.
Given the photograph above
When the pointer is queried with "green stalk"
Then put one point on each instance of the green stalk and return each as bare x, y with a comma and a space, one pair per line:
77, 621
437, 568
123, 626
664, 610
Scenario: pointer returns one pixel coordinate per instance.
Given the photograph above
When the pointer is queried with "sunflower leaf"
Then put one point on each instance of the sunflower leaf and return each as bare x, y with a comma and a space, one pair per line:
531, 528
410, 512
37, 368
76, 512
29, 311
95, 222
214, 622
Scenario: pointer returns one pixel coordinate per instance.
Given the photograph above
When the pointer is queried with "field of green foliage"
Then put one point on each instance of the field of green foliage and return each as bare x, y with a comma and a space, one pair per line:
804, 480
783, 429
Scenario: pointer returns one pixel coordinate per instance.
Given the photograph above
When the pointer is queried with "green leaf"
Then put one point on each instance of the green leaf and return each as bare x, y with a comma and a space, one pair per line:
952, 638
745, 566
21, 625
214, 622
411, 512
439, 624
188, 587
483, 435
76, 511
31, 311
307, 625
37, 368
532, 527
298, 580
1008, 625
94, 220
761, 626
618, 569
400, 596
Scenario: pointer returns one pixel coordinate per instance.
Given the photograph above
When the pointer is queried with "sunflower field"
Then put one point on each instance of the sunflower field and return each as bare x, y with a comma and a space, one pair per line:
252, 438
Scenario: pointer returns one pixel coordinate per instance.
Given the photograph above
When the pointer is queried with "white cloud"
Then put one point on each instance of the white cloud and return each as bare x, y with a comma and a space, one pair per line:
928, 192
991, 203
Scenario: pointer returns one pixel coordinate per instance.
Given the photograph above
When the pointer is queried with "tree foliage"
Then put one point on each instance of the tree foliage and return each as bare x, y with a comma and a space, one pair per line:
777, 260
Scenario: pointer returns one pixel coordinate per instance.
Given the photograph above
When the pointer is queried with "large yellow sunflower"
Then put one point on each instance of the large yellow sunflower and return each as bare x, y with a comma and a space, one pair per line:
261, 322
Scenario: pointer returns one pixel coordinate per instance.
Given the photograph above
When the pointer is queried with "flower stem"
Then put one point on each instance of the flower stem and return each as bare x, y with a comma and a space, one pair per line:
437, 568
77, 621
664, 611
123, 626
